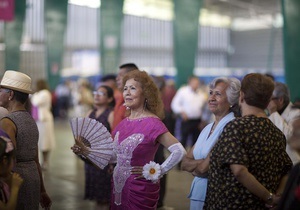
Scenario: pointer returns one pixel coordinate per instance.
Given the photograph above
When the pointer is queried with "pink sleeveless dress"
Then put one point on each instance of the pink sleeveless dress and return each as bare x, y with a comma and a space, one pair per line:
135, 145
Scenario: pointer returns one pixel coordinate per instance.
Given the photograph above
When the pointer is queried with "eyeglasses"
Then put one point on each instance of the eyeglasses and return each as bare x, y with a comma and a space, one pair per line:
99, 93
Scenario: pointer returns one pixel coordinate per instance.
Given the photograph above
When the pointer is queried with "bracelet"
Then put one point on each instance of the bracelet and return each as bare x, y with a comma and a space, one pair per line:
270, 198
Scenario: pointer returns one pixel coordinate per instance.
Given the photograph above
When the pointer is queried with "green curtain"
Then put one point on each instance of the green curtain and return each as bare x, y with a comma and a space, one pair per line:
13, 36
185, 33
291, 45
111, 16
55, 27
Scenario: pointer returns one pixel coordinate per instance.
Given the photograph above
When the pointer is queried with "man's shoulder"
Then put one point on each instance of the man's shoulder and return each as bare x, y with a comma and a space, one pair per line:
183, 88
291, 112
182, 91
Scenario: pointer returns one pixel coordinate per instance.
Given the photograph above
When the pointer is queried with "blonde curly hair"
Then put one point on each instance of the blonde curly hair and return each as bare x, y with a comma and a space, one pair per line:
151, 92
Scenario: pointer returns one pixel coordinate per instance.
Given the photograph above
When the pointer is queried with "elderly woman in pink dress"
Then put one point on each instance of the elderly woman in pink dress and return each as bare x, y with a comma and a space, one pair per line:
136, 140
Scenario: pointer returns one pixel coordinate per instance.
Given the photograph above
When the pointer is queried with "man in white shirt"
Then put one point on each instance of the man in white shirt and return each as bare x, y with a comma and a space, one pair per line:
188, 103
282, 114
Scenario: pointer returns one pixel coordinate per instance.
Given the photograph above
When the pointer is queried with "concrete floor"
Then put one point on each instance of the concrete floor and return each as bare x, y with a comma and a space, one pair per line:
64, 179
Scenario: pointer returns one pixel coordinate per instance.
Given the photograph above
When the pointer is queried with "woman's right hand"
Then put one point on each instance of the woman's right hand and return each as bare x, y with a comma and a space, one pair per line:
274, 202
17, 180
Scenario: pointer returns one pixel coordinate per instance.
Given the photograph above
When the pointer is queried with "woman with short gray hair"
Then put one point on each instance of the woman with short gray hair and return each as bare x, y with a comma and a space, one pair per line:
232, 92
223, 99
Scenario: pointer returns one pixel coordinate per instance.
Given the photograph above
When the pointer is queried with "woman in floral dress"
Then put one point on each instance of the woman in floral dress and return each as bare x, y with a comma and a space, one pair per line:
249, 165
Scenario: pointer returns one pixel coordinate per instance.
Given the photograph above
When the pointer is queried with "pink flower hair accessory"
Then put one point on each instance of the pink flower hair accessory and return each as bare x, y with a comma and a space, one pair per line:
9, 144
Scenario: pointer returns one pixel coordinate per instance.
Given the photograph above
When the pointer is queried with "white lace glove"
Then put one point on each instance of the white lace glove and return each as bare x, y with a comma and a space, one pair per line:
153, 171
177, 153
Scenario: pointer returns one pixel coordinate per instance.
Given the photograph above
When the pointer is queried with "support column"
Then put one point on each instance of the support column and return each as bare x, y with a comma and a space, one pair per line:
291, 45
13, 37
185, 33
55, 26
111, 16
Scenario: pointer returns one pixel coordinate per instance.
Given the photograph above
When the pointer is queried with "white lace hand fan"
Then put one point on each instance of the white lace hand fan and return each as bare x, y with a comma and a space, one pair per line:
94, 139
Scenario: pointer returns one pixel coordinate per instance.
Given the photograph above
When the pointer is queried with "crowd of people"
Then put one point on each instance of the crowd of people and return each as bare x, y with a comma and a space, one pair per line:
243, 154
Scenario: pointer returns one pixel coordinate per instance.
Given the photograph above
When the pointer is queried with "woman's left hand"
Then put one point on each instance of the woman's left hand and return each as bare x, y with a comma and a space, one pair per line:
110, 168
45, 201
76, 149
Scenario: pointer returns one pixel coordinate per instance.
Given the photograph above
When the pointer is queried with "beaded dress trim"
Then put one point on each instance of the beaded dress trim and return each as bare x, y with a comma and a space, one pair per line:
122, 170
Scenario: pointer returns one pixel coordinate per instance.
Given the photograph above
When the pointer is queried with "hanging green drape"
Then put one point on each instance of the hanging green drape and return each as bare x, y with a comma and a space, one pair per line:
291, 45
185, 33
55, 27
13, 37
111, 16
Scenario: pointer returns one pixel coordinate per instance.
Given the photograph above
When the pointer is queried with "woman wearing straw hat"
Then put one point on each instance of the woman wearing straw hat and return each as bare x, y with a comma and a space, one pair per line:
22, 130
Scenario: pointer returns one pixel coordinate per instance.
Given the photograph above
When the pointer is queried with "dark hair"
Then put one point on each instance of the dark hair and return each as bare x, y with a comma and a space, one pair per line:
270, 75
257, 89
2, 148
3, 154
20, 97
160, 82
110, 94
108, 77
129, 67
151, 92
41, 84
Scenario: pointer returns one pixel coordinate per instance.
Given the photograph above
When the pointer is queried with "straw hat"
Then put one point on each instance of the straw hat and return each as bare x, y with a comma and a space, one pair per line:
16, 81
